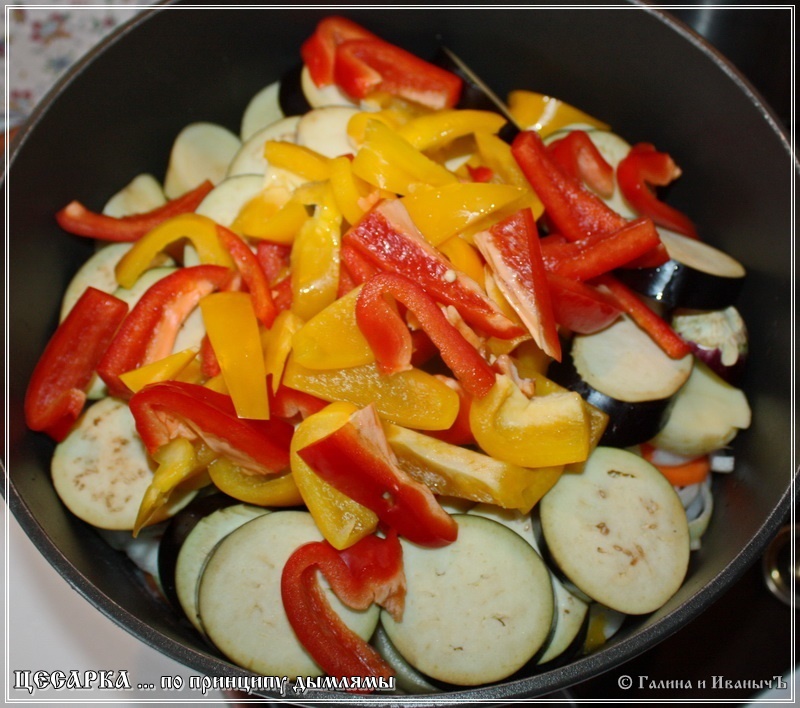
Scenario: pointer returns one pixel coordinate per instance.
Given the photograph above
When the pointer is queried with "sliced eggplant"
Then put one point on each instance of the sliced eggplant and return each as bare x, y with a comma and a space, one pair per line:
621, 371
618, 531
239, 599
197, 548
262, 110
202, 151
144, 193
320, 97
476, 610
407, 678
97, 272
570, 611
223, 203
250, 160
291, 99
717, 337
177, 530
707, 414
324, 130
101, 469
697, 275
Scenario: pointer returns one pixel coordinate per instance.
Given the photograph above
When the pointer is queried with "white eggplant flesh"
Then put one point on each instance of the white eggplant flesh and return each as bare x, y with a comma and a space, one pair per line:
321, 97
101, 469
623, 362
263, 109
197, 548
324, 130
570, 610
202, 151
476, 610
250, 160
223, 203
97, 272
239, 598
142, 194
407, 678
618, 531
707, 414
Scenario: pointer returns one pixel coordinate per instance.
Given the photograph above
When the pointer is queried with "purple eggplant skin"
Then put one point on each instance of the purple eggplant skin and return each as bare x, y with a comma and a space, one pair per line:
718, 338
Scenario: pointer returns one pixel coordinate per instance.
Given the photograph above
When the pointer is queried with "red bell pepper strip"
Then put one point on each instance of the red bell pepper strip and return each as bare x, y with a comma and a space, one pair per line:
512, 250
644, 166
579, 157
369, 571
390, 339
80, 221
388, 238
57, 389
319, 50
357, 460
366, 66
580, 307
171, 409
587, 259
658, 329
287, 403
209, 364
148, 332
282, 294
255, 279
358, 267
481, 173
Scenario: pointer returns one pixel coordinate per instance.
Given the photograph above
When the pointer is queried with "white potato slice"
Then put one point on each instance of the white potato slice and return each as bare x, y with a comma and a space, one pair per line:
239, 599
101, 469
223, 203
144, 193
262, 110
202, 151
250, 160
324, 130
476, 610
618, 531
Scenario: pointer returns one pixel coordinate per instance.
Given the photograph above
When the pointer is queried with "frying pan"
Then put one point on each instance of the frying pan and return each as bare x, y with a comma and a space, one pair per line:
117, 112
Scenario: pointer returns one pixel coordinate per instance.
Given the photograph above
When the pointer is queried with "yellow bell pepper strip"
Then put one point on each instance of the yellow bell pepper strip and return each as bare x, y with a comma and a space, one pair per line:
277, 343
389, 338
192, 372
80, 221
357, 460
178, 461
275, 490
232, 327
270, 217
315, 258
495, 154
512, 250
579, 157
542, 431
300, 160
349, 191
171, 409
388, 162
332, 338
451, 470
446, 211
411, 398
369, 571
546, 114
253, 275
57, 389
341, 520
149, 331
388, 238
464, 257
459, 433
644, 166
435, 130
163, 370
200, 230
